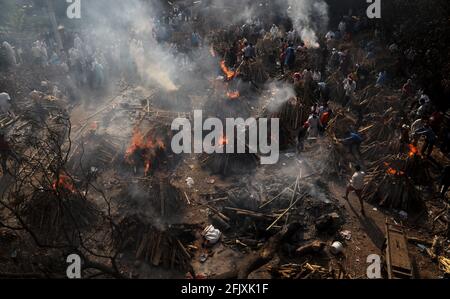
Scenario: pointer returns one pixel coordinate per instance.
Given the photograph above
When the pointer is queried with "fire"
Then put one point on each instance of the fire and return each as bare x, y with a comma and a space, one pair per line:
413, 151
233, 95
229, 73
392, 171
145, 147
64, 182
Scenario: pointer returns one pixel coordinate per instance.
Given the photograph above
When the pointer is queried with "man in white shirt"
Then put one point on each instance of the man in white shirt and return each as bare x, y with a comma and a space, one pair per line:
357, 185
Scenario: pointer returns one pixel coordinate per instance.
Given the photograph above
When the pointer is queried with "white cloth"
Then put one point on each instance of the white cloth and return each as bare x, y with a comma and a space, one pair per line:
212, 234
357, 180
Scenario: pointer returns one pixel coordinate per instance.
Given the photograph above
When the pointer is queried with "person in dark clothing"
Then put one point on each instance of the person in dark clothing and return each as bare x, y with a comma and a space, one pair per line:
353, 142
5, 153
249, 52
430, 139
290, 57
283, 49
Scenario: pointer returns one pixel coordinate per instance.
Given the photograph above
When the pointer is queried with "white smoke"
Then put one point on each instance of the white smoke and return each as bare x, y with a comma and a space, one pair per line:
309, 18
280, 94
154, 63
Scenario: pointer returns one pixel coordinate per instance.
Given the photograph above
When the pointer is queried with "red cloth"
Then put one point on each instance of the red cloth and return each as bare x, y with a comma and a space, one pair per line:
325, 118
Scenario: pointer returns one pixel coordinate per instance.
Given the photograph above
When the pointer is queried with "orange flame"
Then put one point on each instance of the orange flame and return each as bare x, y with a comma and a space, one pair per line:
146, 145
413, 151
233, 95
64, 182
229, 73
392, 171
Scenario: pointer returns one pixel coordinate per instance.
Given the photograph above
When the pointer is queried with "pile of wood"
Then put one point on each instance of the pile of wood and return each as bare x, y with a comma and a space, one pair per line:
376, 150
152, 245
99, 151
373, 99
381, 127
230, 163
389, 185
306, 271
253, 71
336, 162
53, 218
341, 123
166, 197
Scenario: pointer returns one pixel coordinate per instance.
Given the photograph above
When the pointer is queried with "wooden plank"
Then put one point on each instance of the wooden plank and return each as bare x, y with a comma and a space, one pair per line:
397, 255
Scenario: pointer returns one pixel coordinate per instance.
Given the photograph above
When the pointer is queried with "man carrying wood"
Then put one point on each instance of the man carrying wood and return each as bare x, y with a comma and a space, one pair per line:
357, 185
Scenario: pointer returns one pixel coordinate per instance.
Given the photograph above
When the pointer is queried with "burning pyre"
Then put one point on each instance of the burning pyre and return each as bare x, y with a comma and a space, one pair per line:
143, 149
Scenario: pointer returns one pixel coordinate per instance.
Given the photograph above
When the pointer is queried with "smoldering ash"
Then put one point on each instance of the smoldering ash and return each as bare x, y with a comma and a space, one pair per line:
228, 139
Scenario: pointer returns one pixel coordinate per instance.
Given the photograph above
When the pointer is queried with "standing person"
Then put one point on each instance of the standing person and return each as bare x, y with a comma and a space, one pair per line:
381, 79
342, 28
314, 125
356, 184
249, 52
349, 88
417, 125
430, 139
353, 142
290, 57
408, 90
283, 49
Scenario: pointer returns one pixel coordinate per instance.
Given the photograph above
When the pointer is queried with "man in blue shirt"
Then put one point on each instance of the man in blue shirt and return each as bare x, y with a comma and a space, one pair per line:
354, 143
290, 57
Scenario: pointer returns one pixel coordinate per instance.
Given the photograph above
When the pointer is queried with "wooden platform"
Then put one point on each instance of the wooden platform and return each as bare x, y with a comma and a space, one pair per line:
397, 255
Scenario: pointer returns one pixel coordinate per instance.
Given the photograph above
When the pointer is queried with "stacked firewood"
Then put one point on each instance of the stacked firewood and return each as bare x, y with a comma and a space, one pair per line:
152, 245
253, 71
307, 271
51, 218
389, 185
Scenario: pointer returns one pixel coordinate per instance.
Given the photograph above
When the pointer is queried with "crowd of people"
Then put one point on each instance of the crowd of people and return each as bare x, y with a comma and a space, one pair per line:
89, 64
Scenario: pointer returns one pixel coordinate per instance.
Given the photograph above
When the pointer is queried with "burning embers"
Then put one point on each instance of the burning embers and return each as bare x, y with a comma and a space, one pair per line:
64, 182
233, 95
392, 171
413, 151
143, 150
